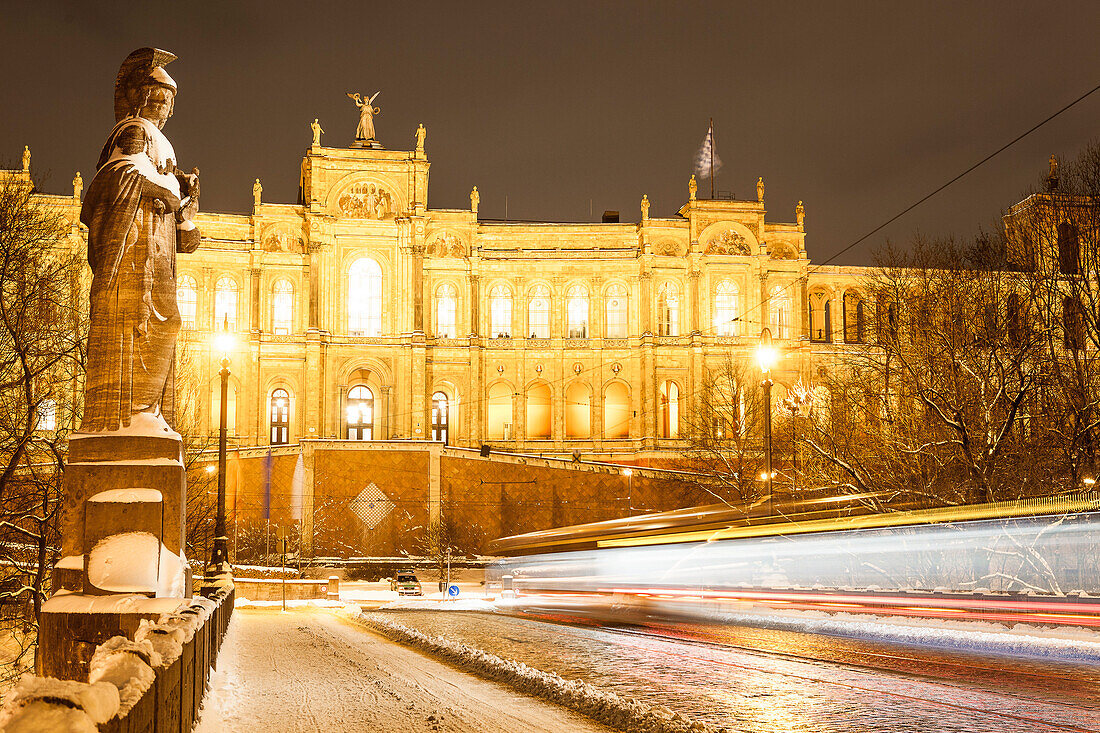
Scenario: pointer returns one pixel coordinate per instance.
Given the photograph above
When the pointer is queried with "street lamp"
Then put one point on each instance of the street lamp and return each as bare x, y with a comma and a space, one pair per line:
629, 473
219, 559
766, 356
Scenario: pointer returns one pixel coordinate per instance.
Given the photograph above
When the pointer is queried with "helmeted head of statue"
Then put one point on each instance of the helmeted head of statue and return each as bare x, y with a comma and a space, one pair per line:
144, 88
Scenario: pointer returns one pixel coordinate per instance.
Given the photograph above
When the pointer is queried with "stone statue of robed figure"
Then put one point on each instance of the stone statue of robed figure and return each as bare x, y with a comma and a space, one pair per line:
138, 211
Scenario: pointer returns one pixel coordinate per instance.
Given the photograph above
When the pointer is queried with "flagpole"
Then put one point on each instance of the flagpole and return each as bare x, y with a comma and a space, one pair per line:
711, 158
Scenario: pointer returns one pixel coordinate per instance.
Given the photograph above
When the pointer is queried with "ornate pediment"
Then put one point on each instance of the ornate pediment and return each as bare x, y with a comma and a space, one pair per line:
729, 242
367, 200
281, 238
447, 244
782, 251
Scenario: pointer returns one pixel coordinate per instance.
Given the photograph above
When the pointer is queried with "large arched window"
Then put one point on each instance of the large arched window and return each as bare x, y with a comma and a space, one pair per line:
360, 413
187, 299
669, 403
725, 308
578, 411
365, 298
780, 312
500, 412
538, 312
538, 411
1069, 249
280, 417
500, 311
853, 318
47, 415
668, 310
446, 305
226, 293
821, 318
616, 411
615, 312
576, 307
282, 306
441, 417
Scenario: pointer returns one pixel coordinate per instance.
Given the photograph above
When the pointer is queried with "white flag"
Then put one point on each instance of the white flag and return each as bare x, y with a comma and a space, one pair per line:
707, 162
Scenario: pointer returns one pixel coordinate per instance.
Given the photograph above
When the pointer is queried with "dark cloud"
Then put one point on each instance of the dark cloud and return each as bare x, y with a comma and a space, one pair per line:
859, 109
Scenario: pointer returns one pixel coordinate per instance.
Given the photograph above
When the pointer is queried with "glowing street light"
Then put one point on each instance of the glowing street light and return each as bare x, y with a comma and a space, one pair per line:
219, 559
767, 356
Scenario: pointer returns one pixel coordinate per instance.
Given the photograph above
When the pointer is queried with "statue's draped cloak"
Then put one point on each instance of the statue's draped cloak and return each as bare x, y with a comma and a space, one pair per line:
132, 252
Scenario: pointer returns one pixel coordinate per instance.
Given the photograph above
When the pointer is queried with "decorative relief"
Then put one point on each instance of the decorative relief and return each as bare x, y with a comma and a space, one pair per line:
728, 243
668, 248
447, 244
782, 251
670, 340
725, 339
281, 238
451, 342
538, 343
367, 201
615, 343
577, 343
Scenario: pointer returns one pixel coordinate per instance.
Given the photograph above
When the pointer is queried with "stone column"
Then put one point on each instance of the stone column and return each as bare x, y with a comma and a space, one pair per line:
313, 268
418, 287
384, 428
693, 290
254, 320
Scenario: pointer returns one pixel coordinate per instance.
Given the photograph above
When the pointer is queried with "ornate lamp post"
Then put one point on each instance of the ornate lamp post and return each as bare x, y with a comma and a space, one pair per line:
219, 559
766, 356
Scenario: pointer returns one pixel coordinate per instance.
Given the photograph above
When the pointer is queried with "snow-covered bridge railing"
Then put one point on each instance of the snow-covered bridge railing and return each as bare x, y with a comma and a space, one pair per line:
152, 682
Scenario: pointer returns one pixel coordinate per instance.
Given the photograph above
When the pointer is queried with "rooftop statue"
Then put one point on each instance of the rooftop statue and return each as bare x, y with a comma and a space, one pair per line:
316, 127
367, 111
138, 210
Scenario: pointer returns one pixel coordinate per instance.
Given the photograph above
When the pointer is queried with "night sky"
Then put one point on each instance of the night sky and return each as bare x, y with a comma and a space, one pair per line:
859, 109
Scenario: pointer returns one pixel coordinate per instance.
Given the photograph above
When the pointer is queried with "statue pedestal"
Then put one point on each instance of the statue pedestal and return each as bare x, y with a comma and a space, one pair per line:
125, 493
371, 144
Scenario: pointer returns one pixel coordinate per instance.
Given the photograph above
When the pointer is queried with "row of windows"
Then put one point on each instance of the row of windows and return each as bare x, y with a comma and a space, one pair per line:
359, 416
364, 307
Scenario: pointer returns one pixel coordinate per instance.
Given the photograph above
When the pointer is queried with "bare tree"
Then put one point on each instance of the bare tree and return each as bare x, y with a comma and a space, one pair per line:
40, 367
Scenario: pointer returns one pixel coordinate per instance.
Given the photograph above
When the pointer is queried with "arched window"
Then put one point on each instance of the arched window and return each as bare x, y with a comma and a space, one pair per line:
360, 413
500, 412
668, 310
670, 410
1069, 250
225, 302
187, 299
47, 415
282, 306
280, 417
853, 318
441, 418
538, 411
780, 315
365, 298
446, 305
578, 411
615, 312
821, 322
538, 312
500, 311
616, 411
576, 307
1014, 320
725, 308
1073, 323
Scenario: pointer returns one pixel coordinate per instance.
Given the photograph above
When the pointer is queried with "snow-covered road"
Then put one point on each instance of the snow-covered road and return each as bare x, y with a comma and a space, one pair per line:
309, 670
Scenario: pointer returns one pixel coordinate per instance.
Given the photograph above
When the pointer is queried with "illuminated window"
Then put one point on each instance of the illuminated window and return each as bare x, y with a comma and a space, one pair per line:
282, 306
187, 299
538, 411
668, 310
47, 415
615, 312
780, 313
669, 404
500, 311
821, 318
576, 306
280, 417
538, 312
616, 411
500, 412
440, 417
578, 411
446, 305
360, 413
365, 298
853, 318
725, 308
226, 294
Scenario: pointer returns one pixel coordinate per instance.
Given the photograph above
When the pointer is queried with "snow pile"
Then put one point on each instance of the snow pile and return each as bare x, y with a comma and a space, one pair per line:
128, 665
242, 602
1021, 640
605, 707
46, 705
442, 604
167, 641
125, 563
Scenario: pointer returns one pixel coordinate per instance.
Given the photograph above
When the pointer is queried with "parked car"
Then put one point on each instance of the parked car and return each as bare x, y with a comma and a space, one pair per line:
406, 584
